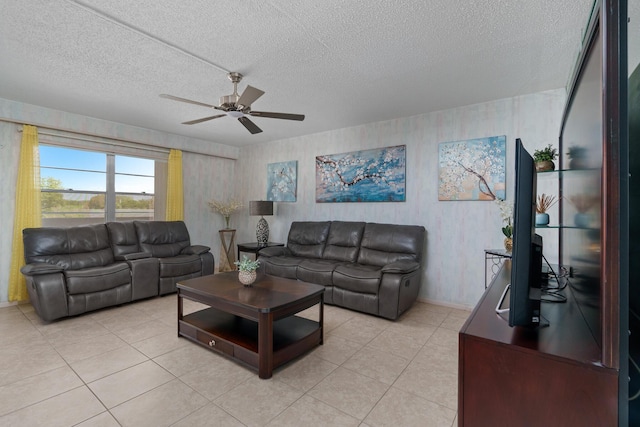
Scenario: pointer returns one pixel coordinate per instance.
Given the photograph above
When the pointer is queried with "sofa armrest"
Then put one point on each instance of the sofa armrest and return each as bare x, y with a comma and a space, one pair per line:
195, 250
401, 267
274, 251
133, 256
37, 268
48, 295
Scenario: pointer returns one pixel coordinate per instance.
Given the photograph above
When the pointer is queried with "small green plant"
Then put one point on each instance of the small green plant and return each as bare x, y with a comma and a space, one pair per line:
247, 264
546, 154
577, 152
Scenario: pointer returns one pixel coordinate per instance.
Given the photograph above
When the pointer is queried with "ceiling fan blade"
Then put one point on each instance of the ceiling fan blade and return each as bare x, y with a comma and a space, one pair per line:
251, 127
286, 116
204, 119
249, 95
188, 101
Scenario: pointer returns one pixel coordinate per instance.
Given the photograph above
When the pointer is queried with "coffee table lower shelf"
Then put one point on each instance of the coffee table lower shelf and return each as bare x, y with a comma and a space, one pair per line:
237, 337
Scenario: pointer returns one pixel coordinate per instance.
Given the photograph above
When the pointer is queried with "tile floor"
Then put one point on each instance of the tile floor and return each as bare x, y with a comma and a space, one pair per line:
125, 366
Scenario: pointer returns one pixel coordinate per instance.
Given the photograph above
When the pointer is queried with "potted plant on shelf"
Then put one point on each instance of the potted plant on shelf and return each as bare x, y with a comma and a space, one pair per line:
577, 157
543, 204
583, 203
544, 158
247, 270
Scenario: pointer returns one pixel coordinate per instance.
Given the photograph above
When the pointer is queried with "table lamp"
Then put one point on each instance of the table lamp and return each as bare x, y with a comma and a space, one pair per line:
261, 207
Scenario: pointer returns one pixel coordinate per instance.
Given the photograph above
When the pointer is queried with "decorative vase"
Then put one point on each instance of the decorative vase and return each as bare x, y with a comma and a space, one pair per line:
508, 244
544, 166
247, 277
582, 220
227, 219
578, 163
542, 219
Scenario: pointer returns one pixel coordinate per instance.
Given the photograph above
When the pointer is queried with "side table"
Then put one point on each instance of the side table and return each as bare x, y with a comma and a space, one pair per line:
254, 247
227, 254
493, 260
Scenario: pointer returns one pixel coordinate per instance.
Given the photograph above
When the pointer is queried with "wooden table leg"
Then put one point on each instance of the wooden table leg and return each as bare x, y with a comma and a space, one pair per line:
265, 345
321, 320
179, 311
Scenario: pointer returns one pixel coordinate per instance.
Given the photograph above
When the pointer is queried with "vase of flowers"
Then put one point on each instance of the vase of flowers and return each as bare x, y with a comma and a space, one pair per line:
247, 270
226, 209
506, 212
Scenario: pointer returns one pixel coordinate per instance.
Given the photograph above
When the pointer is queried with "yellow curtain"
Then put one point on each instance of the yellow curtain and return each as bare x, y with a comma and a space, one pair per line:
27, 212
175, 197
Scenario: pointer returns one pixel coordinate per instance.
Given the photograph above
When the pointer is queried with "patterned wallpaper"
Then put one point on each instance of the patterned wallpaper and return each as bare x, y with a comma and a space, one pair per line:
457, 232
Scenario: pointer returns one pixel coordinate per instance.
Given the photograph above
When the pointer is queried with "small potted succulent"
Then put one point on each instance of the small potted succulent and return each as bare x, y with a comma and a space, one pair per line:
247, 270
542, 206
544, 158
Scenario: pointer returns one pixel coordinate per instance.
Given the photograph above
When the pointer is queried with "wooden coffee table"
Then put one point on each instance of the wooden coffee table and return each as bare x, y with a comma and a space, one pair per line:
254, 325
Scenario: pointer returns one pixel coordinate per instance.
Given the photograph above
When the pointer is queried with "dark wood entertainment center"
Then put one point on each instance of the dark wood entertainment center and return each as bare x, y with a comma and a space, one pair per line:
575, 371
548, 376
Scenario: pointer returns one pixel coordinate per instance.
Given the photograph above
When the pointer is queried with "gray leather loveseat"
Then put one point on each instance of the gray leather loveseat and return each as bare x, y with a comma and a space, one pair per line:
368, 267
70, 271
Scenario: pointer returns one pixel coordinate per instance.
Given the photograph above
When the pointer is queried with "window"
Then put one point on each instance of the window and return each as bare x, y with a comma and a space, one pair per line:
88, 187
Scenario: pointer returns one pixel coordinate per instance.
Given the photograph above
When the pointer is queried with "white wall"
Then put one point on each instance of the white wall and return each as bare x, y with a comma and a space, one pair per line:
205, 177
457, 232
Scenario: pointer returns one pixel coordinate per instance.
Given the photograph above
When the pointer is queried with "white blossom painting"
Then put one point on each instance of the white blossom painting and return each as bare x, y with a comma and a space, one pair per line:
282, 181
473, 169
376, 175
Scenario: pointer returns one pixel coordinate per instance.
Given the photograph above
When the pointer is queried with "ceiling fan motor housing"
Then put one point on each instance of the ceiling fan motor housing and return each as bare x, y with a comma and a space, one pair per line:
228, 101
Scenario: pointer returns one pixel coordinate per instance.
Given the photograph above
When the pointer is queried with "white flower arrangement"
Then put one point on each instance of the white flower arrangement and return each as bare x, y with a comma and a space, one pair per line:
506, 212
226, 209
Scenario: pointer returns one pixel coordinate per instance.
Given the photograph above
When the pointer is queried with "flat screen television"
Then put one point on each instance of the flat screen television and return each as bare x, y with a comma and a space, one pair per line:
526, 260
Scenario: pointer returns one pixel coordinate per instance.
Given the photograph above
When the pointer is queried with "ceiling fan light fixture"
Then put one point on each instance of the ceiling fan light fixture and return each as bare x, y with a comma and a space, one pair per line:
235, 114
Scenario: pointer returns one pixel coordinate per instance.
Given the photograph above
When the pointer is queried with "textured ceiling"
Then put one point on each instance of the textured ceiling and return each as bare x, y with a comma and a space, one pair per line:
342, 63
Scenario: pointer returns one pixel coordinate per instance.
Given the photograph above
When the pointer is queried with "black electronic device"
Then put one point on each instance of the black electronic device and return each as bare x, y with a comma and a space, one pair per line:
526, 261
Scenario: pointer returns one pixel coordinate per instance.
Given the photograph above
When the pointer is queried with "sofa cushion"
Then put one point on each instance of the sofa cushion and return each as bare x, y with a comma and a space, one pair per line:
70, 248
180, 265
282, 266
123, 238
386, 243
96, 279
319, 271
343, 242
307, 238
162, 238
357, 278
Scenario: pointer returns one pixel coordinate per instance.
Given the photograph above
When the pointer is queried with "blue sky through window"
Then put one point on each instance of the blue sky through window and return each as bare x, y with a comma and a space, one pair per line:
92, 166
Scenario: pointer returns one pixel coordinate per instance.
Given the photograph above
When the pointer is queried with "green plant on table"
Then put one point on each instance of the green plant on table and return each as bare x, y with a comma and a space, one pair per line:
547, 154
247, 264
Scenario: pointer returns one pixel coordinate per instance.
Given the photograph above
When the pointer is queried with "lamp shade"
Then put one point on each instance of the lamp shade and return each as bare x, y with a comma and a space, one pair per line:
261, 207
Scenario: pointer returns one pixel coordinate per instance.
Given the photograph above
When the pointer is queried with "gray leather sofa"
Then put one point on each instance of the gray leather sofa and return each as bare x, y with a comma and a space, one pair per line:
70, 271
368, 267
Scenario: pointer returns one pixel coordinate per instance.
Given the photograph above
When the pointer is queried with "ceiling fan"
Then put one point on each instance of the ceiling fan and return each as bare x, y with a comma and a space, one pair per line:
237, 106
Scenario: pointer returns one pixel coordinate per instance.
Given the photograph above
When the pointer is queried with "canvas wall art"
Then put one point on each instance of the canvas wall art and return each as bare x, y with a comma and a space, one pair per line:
282, 181
472, 170
376, 175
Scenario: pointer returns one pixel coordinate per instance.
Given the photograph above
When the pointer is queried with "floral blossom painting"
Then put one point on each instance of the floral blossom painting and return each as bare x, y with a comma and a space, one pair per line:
473, 169
376, 175
282, 181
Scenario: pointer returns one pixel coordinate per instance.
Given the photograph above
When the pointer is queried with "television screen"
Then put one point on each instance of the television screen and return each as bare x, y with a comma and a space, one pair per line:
526, 262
